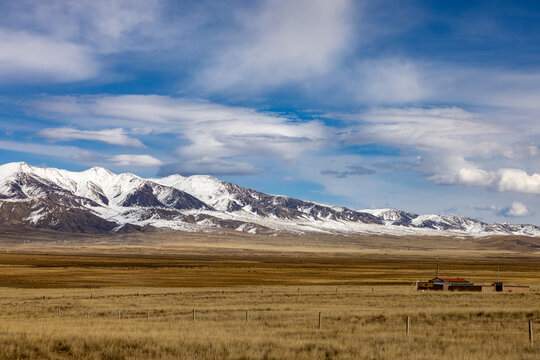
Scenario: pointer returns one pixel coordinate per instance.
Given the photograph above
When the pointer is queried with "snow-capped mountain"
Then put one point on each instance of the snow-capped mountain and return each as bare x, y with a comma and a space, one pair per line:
465, 224
97, 200
227, 197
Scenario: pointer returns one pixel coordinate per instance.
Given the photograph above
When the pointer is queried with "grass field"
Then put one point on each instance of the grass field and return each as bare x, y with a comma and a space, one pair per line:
358, 322
106, 300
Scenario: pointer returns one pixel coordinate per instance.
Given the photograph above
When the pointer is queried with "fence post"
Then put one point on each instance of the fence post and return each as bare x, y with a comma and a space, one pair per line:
531, 338
247, 315
408, 325
320, 320
147, 315
193, 314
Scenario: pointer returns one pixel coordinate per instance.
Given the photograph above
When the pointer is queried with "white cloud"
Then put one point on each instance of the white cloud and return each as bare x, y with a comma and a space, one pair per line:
390, 80
518, 180
70, 152
128, 160
517, 209
502, 180
59, 41
455, 146
209, 166
281, 41
395, 80
447, 138
107, 136
209, 130
435, 129
472, 176
105, 26
80, 155
28, 58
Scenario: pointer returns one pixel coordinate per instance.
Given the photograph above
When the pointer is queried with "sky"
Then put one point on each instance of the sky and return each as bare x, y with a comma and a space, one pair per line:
424, 106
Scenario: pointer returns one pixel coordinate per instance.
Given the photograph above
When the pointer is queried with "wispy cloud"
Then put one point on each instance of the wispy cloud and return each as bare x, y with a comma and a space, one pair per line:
69, 152
451, 145
209, 130
352, 170
79, 155
31, 58
281, 41
58, 41
128, 160
107, 136
103, 26
208, 166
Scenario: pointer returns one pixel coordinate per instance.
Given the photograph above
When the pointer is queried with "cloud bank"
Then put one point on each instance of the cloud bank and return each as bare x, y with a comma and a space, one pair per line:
213, 134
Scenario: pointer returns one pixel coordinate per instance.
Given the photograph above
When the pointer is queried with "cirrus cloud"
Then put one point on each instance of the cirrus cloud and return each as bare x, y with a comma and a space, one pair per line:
127, 160
208, 166
207, 130
28, 58
107, 136
281, 41
351, 170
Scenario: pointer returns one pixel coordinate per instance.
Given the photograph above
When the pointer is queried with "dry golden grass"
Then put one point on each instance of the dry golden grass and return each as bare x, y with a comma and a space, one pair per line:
186, 270
358, 323
362, 286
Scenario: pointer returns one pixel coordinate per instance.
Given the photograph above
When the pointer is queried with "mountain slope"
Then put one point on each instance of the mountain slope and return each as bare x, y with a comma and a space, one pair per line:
43, 213
94, 187
97, 200
225, 196
450, 222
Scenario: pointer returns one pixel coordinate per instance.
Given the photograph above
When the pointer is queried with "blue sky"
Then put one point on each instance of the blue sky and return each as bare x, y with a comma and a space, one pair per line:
426, 106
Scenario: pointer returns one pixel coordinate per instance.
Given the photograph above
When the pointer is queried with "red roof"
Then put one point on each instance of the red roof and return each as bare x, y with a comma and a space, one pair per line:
455, 280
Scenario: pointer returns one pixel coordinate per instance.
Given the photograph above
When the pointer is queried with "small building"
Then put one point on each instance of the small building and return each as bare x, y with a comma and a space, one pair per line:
445, 284
510, 287
459, 284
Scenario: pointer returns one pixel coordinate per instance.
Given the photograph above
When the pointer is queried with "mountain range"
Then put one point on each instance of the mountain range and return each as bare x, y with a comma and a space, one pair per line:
99, 201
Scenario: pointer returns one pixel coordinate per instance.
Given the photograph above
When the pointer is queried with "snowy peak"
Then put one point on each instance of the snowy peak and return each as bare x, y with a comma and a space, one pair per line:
11, 169
232, 198
98, 172
392, 216
95, 187
449, 222
206, 188
100, 200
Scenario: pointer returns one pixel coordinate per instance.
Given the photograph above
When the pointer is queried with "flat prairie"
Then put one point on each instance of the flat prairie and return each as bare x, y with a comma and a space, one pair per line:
233, 296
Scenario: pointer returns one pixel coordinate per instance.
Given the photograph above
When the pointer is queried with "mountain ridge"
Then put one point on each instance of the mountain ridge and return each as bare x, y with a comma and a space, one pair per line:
98, 200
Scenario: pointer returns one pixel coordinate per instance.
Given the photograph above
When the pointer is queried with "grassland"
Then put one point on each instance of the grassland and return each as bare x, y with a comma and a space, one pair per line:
358, 323
61, 298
